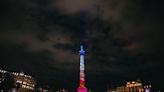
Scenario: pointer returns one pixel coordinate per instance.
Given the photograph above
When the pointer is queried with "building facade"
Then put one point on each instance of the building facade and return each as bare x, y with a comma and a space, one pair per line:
122, 89
21, 82
25, 83
134, 86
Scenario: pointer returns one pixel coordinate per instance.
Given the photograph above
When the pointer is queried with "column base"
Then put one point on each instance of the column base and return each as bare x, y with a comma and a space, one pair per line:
82, 89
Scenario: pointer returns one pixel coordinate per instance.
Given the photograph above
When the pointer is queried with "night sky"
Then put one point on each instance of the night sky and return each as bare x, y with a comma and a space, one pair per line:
123, 40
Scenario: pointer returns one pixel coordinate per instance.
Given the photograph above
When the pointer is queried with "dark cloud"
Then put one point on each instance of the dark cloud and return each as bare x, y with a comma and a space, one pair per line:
75, 6
123, 40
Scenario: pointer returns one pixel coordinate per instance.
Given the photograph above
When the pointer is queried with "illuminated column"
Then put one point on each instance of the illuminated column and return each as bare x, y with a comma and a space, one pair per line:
82, 87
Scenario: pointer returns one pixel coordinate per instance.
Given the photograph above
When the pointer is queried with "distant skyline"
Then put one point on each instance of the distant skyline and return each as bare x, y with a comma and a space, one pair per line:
123, 41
